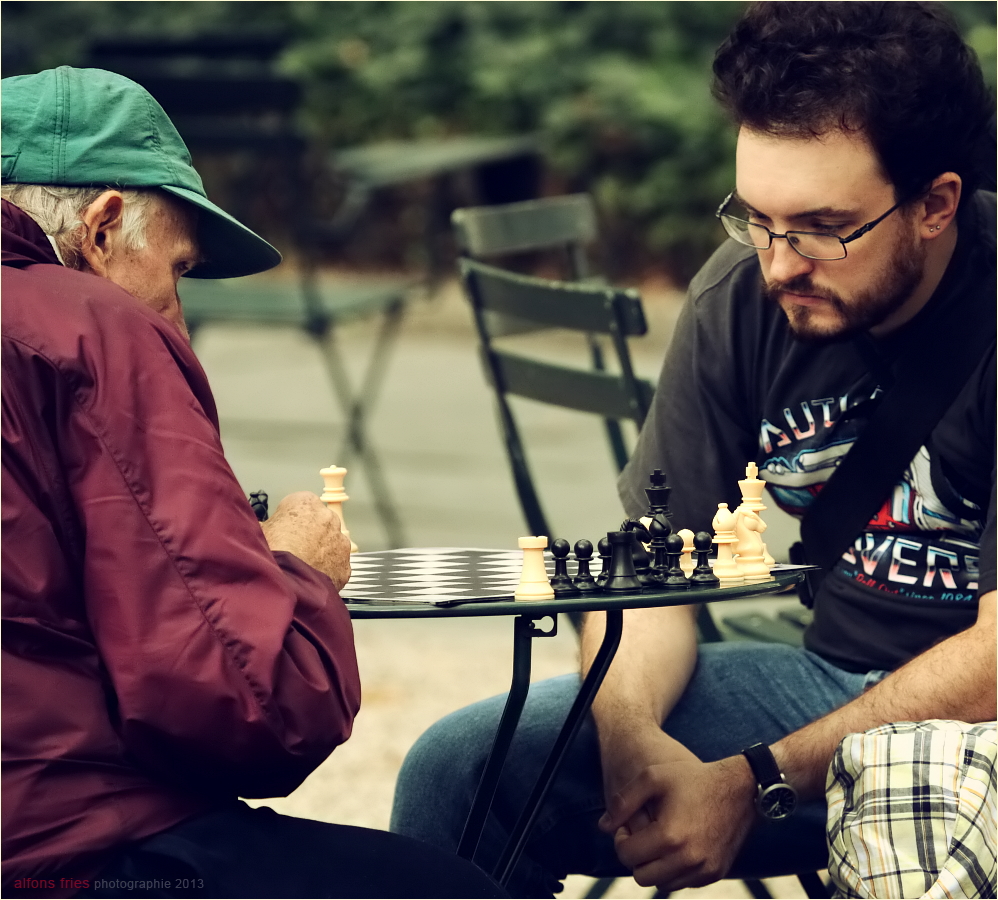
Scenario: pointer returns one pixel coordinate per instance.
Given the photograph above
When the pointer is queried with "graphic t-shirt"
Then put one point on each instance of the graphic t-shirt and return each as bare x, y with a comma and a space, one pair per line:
737, 386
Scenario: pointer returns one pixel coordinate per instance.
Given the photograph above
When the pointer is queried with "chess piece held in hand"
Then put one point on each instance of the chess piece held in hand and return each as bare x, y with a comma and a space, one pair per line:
534, 583
334, 496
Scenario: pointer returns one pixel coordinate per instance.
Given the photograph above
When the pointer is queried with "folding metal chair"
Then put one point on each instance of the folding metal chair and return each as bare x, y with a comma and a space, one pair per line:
564, 228
504, 303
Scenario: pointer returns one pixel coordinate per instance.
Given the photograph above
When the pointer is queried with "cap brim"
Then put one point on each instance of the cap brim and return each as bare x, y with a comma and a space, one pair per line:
229, 248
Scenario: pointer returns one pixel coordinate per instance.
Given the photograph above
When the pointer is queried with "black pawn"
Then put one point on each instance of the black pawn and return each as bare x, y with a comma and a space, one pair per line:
584, 581
656, 573
703, 575
675, 579
258, 503
560, 581
604, 554
622, 578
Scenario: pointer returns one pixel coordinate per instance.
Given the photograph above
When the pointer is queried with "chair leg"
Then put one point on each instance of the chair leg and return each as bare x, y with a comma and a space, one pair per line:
599, 888
709, 633
813, 885
357, 439
757, 889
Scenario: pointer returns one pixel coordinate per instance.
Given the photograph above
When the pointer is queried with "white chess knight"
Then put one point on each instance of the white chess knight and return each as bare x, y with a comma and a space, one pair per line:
752, 487
750, 548
334, 496
534, 582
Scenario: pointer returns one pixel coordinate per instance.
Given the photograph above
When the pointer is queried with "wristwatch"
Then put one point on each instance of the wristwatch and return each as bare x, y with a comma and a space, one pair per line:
776, 799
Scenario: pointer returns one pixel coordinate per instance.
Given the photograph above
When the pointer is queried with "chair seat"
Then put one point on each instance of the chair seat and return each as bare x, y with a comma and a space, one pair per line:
269, 301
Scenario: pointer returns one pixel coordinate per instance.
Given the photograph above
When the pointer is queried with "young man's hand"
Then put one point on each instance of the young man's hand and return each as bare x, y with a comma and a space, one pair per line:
627, 752
680, 823
303, 525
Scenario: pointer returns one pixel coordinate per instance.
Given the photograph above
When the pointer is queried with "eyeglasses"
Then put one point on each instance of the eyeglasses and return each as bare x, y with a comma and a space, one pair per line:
809, 244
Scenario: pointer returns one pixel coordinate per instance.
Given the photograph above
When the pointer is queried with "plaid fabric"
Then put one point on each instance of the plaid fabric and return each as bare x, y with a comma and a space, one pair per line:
911, 811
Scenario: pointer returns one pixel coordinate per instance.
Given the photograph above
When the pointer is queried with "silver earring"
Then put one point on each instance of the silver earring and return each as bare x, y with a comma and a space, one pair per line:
934, 227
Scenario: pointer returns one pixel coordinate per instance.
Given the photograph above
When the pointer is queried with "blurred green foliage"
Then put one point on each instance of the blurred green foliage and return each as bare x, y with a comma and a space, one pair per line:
618, 91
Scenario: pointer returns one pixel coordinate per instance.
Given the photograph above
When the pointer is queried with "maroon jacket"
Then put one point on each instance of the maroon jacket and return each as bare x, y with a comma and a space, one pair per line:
158, 658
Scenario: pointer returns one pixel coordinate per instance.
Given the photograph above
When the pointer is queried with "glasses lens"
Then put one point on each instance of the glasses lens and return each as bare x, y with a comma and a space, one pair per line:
745, 232
817, 246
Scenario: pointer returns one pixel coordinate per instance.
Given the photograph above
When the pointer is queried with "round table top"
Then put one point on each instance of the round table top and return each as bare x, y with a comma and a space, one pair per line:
782, 579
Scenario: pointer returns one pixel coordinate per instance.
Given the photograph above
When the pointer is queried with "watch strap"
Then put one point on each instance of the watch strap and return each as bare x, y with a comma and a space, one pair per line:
763, 763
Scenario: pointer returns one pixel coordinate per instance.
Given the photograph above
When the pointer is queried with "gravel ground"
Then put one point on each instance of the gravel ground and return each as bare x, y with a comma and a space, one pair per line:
435, 431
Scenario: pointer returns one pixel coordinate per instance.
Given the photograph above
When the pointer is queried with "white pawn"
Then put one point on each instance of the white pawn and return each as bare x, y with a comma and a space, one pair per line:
752, 487
725, 567
749, 528
334, 497
534, 582
686, 562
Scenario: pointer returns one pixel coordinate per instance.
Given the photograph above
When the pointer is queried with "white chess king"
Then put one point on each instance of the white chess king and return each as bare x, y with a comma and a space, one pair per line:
752, 487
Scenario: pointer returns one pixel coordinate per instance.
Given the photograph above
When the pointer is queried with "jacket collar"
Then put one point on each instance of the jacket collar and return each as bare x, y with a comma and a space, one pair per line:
24, 243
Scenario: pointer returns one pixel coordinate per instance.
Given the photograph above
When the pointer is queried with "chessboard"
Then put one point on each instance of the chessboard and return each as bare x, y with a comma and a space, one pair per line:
439, 575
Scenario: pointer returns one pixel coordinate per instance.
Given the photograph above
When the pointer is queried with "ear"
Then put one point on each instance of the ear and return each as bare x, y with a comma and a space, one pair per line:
102, 226
940, 205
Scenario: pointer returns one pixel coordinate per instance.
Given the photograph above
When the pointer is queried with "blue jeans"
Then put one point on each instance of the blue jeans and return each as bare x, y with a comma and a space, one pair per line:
740, 694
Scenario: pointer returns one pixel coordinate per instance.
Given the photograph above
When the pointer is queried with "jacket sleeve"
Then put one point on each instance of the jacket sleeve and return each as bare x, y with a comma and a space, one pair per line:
230, 668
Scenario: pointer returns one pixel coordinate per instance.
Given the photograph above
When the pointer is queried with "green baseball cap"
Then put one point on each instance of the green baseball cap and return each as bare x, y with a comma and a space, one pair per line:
89, 127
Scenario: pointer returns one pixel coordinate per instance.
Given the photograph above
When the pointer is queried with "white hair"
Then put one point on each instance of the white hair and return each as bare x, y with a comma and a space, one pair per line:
58, 211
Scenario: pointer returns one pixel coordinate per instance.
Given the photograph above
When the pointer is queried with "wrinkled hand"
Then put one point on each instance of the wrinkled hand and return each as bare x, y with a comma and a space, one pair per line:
303, 525
681, 823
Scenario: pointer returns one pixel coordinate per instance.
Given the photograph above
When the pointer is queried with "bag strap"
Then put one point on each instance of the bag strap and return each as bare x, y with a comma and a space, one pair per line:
937, 363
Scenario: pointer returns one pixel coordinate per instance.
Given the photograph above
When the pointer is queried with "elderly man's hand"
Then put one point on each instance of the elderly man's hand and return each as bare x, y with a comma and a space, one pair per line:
681, 824
303, 525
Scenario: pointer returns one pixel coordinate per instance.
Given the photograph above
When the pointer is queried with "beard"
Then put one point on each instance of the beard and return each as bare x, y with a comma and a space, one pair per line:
900, 275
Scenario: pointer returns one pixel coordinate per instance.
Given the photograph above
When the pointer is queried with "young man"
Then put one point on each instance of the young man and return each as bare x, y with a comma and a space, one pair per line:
863, 132
162, 654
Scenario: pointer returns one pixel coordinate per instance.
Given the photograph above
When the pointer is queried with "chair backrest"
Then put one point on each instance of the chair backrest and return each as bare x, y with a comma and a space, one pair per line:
506, 303
584, 308
565, 224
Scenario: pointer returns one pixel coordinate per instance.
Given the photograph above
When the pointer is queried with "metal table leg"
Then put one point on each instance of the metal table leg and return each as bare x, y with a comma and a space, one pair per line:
573, 721
524, 630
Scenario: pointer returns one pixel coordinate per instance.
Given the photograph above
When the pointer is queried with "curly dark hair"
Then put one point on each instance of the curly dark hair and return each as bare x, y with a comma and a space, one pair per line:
898, 72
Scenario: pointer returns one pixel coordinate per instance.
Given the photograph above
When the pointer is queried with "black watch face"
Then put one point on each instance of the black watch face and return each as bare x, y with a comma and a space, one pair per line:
777, 801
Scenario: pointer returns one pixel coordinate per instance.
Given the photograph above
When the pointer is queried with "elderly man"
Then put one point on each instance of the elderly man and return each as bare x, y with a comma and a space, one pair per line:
162, 654
858, 241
